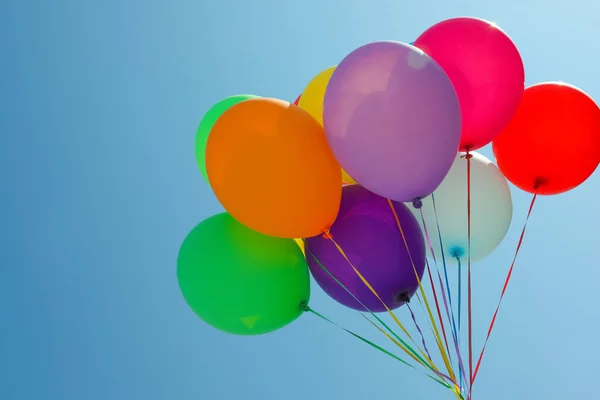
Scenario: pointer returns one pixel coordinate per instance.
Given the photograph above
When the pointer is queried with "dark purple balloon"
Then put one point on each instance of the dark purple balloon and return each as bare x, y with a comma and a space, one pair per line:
368, 233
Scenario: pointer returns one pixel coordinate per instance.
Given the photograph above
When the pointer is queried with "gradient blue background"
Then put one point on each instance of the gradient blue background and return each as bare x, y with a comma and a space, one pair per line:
99, 103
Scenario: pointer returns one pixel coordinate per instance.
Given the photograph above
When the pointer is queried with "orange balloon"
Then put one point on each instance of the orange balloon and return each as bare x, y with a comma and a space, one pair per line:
270, 166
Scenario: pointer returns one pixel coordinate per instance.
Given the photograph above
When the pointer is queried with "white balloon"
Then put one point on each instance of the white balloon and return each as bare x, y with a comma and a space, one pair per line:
491, 210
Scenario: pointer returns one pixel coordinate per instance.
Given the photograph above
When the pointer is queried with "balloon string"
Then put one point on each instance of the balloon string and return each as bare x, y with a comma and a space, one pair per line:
459, 293
435, 369
412, 314
439, 312
429, 243
308, 309
454, 388
400, 343
457, 389
439, 231
461, 366
449, 295
468, 156
368, 285
505, 285
389, 337
459, 302
449, 310
435, 297
431, 318
375, 346
422, 305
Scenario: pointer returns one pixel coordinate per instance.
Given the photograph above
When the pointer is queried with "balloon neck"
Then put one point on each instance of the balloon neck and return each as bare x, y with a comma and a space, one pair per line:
327, 235
417, 203
304, 307
457, 252
540, 181
403, 297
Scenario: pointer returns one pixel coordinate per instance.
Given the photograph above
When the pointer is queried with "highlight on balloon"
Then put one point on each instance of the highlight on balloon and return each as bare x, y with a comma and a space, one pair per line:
374, 183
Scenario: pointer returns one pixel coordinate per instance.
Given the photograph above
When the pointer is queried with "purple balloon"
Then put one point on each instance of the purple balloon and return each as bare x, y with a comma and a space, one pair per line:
367, 232
393, 120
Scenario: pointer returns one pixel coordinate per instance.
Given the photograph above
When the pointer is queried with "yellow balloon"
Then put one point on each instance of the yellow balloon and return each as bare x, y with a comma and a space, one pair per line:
312, 100
300, 244
347, 178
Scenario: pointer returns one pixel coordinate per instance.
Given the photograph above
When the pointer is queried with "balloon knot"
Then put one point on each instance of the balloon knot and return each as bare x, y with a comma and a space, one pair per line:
457, 252
539, 182
417, 203
404, 297
304, 307
327, 235
467, 154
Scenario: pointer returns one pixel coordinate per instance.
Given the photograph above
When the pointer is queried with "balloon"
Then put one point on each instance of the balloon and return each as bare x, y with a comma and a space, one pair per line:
241, 281
297, 100
347, 178
486, 70
207, 123
392, 119
300, 244
491, 210
312, 101
312, 97
552, 144
367, 232
258, 152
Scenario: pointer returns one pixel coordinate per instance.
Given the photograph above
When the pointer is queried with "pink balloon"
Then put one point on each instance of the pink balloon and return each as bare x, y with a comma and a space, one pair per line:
486, 70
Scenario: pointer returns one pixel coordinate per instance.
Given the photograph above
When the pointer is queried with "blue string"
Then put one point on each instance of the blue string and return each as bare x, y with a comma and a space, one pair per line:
444, 262
459, 292
456, 332
459, 305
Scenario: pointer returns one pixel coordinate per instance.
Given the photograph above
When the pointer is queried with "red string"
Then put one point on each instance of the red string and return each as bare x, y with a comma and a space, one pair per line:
468, 157
504, 287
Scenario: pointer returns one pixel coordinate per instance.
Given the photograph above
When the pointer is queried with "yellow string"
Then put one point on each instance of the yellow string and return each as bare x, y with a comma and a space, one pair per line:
455, 389
400, 344
438, 338
368, 285
397, 343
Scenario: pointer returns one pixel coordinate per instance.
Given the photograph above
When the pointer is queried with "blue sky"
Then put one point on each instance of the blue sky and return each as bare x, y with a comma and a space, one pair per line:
99, 106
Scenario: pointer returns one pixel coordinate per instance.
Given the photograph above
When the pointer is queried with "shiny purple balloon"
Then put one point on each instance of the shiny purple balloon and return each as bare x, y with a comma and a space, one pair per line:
367, 232
393, 120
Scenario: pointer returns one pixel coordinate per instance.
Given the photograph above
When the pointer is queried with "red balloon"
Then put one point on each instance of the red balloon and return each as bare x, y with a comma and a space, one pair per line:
552, 144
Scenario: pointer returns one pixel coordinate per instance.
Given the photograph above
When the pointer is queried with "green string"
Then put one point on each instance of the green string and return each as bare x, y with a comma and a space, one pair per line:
370, 312
308, 309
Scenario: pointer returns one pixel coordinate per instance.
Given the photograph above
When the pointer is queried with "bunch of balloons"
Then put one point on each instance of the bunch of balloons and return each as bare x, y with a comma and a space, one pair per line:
373, 165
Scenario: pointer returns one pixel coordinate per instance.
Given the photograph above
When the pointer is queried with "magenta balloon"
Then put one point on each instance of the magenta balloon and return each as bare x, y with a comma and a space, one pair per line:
393, 120
487, 72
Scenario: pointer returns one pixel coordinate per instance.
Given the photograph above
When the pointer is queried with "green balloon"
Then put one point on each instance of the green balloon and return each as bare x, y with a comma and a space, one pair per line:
208, 122
241, 281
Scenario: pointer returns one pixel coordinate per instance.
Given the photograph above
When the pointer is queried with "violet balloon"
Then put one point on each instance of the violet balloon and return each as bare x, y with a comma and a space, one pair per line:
393, 120
367, 231
487, 72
